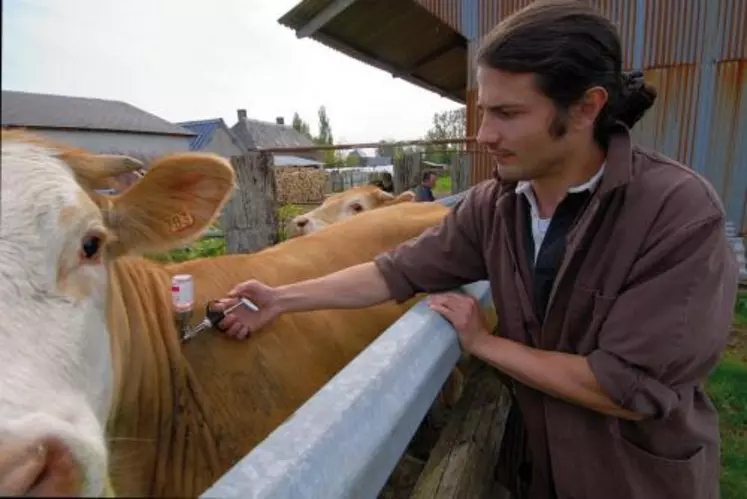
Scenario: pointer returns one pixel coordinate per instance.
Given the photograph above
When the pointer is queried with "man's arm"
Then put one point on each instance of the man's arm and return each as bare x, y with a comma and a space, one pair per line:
443, 257
663, 334
359, 286
559, 374
446, 256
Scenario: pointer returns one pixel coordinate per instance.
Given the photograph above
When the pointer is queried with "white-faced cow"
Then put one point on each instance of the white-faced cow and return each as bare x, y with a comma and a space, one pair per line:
344, 205
90, 355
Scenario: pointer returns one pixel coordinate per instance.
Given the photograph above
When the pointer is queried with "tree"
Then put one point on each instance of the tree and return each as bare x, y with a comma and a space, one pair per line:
450, 124
301, 126
325, 130
386, 148
331, 157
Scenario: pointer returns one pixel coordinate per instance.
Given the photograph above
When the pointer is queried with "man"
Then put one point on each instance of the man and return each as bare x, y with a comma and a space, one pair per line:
424, 191
609, 268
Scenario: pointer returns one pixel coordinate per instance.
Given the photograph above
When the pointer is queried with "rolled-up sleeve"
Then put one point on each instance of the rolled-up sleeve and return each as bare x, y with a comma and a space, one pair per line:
443, 257
666, 330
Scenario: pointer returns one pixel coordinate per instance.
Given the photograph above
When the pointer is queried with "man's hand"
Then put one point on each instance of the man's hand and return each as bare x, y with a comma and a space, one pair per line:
242, 322
465, 314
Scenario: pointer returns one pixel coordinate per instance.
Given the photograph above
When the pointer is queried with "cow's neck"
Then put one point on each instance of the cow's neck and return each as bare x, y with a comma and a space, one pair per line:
161, 443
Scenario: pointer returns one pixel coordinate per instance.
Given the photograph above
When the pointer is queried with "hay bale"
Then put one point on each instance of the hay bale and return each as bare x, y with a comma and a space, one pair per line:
300, 185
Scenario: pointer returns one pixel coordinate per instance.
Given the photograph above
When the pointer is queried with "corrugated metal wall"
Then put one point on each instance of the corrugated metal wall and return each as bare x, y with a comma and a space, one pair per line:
693, 51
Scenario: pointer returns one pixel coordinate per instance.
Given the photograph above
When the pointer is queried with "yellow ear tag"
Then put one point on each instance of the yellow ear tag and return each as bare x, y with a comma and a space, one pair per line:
180, 221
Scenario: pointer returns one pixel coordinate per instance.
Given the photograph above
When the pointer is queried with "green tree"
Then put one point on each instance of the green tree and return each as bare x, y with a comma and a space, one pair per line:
325, 129
450, 124
332, 157
389, 149
301, 126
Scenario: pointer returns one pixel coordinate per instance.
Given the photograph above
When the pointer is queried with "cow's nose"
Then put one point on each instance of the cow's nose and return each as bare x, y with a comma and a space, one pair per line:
49, 470
302, 222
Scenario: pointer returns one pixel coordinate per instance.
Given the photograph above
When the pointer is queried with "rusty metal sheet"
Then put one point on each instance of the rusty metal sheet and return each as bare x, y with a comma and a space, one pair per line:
698, 119
675, 31
449, 11
732, 29
624, 14
670, 125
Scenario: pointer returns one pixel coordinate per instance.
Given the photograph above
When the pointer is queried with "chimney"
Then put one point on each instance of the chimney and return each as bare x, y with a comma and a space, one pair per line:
280, 120
241, 113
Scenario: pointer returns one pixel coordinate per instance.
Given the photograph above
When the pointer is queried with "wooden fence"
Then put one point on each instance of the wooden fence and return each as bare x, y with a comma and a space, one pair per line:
250, 222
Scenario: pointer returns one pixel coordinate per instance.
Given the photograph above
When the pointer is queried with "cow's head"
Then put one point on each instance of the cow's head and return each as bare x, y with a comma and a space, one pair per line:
57, 240
344, 205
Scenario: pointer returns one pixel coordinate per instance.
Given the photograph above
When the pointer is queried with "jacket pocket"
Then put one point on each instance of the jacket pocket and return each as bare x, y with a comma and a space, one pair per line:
653, 476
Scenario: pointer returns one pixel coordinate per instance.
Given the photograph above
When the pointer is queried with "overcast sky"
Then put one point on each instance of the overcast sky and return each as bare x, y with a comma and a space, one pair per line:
196, 59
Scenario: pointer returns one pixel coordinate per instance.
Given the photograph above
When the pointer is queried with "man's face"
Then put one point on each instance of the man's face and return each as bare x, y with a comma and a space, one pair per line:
431, 181
516, 126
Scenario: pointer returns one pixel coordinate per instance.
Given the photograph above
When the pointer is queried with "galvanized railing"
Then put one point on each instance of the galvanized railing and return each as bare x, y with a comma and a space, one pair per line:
346, 440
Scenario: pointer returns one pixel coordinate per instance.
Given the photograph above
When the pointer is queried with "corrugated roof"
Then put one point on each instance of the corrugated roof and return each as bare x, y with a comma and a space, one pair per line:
204, 130
32, 110
398, 36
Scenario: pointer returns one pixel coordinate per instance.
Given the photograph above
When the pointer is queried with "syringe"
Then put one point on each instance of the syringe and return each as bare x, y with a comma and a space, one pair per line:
214, 317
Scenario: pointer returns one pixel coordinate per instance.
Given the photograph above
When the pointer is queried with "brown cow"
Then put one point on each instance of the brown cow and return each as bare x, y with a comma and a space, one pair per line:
344, 205
103, 351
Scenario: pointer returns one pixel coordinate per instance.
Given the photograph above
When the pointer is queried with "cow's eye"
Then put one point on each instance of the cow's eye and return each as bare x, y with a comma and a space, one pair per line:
356, 207
90, 246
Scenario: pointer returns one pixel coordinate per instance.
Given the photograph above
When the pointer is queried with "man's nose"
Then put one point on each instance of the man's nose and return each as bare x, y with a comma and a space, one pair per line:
489, 132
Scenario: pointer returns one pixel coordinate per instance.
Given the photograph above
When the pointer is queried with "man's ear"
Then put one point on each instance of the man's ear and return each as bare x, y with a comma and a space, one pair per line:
173, 204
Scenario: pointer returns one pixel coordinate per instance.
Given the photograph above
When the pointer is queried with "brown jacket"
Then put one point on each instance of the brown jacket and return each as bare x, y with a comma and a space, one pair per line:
645, 291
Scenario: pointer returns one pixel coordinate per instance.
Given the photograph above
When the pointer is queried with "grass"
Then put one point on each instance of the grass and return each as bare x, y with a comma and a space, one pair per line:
217, 246
443, 186
727, 387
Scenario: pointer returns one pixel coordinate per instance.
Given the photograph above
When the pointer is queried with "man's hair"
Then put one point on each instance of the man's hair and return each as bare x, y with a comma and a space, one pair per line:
570, 47
427, 175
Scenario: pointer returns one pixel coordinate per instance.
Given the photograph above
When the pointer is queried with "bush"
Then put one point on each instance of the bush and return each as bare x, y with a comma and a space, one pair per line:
203, 248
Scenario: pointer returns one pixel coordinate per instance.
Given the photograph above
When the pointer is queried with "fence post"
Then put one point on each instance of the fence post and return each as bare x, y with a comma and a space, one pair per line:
249, 219
407, 172
461, 168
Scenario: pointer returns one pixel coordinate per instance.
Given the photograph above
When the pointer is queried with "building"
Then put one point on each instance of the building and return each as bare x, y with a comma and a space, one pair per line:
256, 134
96, 125
360, 157
213, 135
694, 56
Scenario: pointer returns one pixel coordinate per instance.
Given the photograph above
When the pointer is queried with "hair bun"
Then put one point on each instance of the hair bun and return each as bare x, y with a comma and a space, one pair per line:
636, 97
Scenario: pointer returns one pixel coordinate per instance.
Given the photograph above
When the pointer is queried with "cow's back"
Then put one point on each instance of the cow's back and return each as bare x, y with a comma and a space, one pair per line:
241, 391
263, 379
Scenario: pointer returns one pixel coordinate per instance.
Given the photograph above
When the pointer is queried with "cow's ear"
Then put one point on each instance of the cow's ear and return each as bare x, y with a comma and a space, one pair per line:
389, 199
173, 204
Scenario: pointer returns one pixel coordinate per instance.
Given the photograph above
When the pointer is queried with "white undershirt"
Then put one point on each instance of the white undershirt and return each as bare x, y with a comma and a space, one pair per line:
540, 225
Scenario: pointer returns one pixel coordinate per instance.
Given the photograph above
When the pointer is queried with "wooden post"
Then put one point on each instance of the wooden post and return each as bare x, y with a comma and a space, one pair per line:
407, 172
461, 169
249, 219
462, 464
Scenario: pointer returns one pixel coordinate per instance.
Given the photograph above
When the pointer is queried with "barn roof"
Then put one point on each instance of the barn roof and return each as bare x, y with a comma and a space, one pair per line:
34, 110
256, 134
398, 36
204, 130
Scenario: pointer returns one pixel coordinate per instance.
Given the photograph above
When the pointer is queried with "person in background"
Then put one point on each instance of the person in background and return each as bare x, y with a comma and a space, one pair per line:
609, 266
424, 191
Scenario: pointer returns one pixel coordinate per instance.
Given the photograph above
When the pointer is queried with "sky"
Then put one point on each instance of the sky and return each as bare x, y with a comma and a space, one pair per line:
194, 59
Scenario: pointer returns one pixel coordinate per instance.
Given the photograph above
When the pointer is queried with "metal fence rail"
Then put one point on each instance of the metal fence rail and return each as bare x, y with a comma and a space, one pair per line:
346, 440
